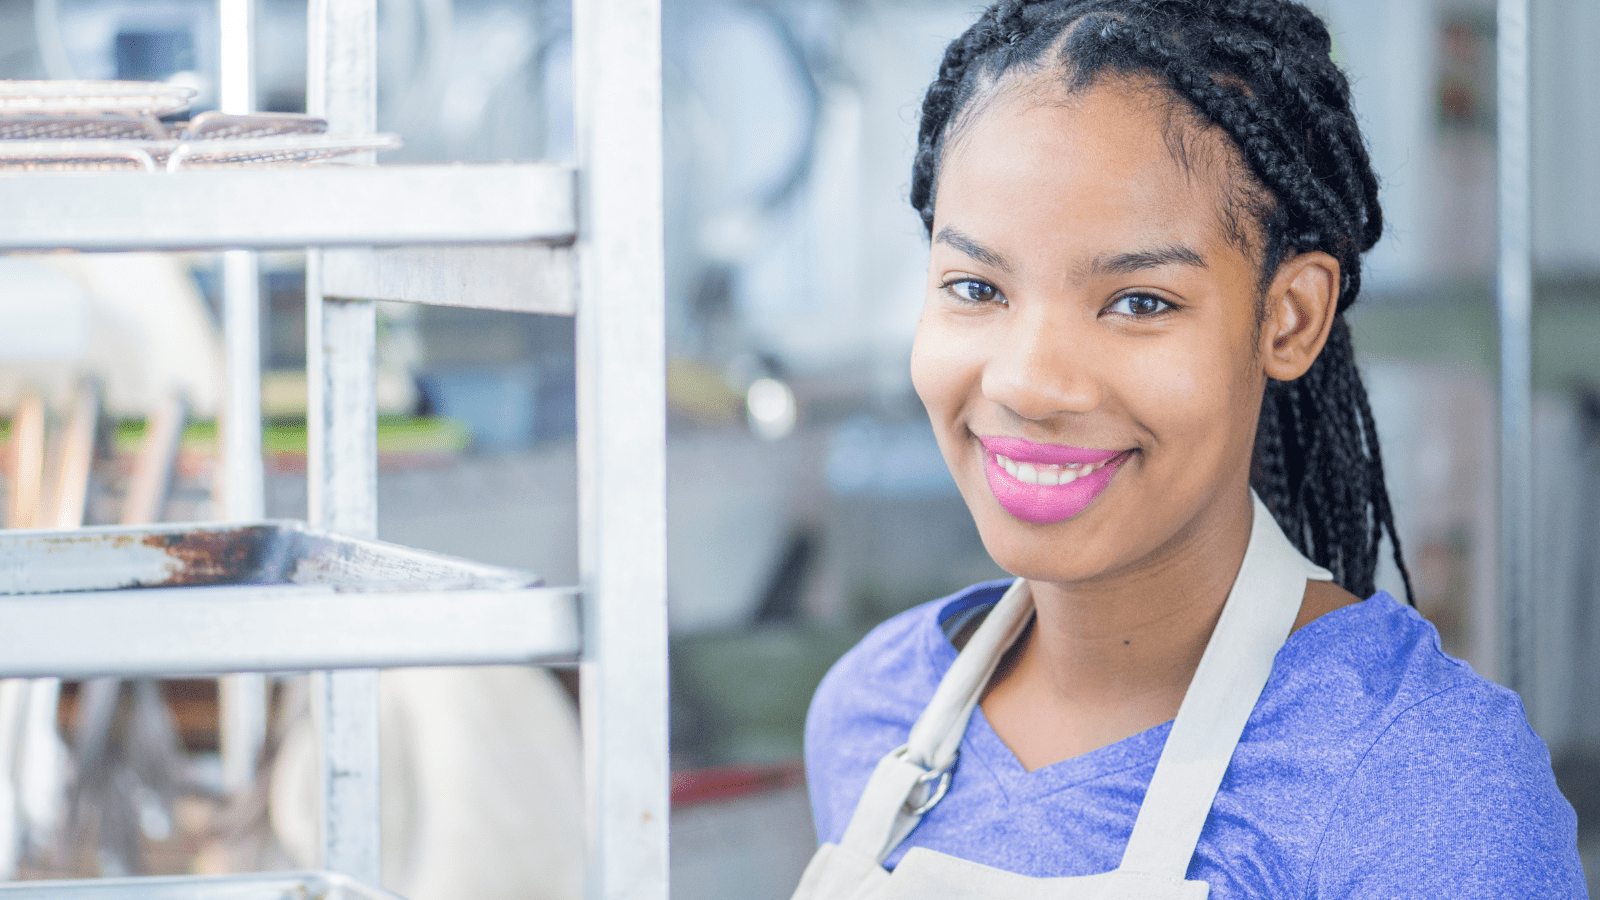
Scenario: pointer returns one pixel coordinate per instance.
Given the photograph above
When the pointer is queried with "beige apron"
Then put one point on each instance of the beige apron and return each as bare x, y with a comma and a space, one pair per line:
1258, 616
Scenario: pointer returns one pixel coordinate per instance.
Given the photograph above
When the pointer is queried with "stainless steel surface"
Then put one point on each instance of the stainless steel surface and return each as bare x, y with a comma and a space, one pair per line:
138, 97
1515, 304
341, 336
211, 631
288, 207
117, 595
342, 64
271, 596
242, 698
344, 706
535, 278
114, 557
621, 445
242, 485
342, 417
263, 886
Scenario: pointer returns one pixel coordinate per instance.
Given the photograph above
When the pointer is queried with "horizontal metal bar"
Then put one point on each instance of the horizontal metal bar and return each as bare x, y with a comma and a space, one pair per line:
287, 206
534, 278
273, 552
254, 886
281, 628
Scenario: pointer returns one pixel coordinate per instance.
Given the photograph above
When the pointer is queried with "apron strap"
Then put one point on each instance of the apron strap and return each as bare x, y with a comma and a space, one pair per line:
1260, 611
911, 778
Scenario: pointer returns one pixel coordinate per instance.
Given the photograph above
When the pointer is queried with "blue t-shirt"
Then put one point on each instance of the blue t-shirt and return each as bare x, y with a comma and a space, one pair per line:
1374, 766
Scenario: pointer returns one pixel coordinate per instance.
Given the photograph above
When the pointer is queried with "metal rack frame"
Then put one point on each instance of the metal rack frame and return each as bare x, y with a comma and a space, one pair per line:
516, 236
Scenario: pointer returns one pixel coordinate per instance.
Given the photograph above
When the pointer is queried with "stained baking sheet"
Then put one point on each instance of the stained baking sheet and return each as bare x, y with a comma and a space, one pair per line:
208, 555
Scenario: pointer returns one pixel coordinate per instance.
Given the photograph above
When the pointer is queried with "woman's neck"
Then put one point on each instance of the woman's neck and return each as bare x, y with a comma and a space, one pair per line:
1107, 660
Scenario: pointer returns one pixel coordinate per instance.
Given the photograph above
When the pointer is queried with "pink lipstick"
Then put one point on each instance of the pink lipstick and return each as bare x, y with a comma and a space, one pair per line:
1046, 483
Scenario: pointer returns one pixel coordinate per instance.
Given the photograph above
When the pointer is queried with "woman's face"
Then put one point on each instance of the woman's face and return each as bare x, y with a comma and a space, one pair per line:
1089, 349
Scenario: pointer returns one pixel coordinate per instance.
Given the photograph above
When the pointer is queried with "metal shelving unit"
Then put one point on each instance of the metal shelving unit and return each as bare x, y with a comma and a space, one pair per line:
274, 596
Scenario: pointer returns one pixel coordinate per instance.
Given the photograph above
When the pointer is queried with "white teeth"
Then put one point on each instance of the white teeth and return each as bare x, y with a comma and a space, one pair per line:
1047, 475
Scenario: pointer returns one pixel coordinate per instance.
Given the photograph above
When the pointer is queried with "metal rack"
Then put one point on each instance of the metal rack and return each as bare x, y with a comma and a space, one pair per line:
268, 596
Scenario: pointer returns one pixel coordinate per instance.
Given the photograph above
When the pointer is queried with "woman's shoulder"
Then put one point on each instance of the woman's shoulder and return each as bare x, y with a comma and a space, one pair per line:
890, 674
1440, 776
1374, 659
1373, 676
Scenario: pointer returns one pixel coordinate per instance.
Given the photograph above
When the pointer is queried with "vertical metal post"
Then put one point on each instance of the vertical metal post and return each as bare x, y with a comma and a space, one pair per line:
243, 697
342, 462
1516, 343
621, 444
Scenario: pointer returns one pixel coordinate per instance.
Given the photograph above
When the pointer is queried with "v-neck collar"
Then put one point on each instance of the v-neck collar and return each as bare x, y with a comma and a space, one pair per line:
982, 748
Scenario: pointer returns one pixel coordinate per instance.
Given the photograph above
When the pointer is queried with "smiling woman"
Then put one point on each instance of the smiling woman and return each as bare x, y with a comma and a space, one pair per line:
1147, 219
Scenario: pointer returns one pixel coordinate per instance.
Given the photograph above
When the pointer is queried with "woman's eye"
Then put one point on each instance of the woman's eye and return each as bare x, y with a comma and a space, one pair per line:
972, 291
1140, 306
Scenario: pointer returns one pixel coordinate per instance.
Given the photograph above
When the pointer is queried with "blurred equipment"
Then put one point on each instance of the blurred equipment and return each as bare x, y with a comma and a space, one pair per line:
482, 785
130, 762
34, 765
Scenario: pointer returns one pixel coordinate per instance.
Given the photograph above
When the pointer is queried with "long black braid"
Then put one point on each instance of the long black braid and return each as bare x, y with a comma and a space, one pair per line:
1260, 71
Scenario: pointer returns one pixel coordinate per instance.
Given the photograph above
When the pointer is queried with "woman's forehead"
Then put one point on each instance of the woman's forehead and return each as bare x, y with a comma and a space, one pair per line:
1119, 161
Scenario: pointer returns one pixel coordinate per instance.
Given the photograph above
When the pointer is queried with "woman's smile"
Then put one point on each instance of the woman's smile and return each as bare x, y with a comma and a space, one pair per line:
1047, 483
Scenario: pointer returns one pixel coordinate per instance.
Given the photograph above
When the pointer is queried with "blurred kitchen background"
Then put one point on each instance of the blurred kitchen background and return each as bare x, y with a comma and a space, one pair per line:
807, 498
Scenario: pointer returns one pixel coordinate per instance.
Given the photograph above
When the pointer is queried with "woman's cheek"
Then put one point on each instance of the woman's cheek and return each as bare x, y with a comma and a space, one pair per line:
1176, 391
938, 366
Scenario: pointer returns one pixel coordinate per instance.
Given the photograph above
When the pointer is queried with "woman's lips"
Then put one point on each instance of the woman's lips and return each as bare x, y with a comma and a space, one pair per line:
1046, 483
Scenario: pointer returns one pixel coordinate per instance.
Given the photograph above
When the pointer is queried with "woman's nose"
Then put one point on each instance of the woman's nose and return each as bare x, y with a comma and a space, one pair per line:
1044, 367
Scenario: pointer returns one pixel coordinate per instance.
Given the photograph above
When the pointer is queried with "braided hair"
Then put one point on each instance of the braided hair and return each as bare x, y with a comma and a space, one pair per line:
1258, 70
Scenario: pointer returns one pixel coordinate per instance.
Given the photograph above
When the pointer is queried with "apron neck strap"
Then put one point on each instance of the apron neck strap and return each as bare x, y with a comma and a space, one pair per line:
1260, 610
913, 777
1259, 613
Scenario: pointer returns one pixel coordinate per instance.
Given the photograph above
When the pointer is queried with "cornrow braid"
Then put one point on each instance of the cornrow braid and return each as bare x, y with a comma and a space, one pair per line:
1260, 72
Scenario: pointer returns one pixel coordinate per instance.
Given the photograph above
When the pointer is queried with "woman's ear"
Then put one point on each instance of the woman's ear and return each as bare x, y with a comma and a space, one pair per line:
1301, 304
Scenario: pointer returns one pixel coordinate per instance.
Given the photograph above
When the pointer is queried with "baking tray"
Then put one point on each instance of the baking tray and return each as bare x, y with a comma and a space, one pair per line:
103, 558
176, 600
111, 125
258, 886
75, 155
149, 98
110, 138
213, 125
88, 126
172, 155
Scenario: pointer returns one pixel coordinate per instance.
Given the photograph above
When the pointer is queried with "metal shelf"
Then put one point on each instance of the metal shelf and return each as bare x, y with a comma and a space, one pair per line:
532, 278
273, 596
265, 886
288, 207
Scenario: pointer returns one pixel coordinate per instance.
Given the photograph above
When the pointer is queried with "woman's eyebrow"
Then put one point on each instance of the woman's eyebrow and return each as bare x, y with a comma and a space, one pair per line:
1138, 260
954, 238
